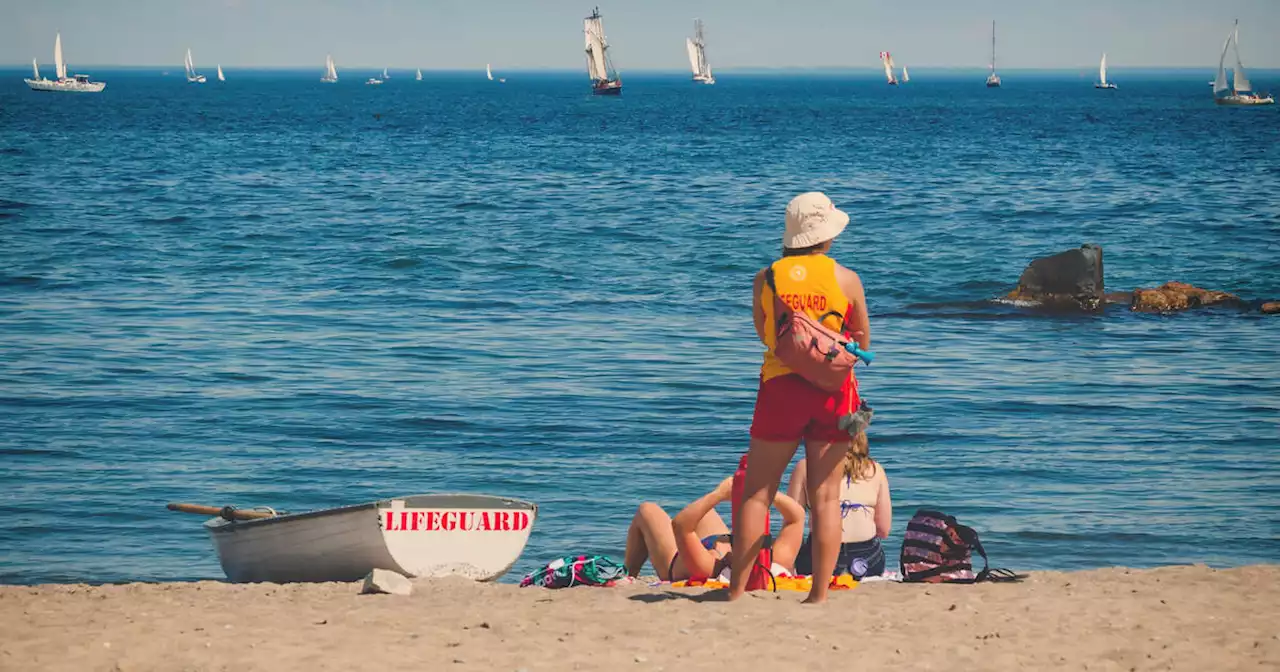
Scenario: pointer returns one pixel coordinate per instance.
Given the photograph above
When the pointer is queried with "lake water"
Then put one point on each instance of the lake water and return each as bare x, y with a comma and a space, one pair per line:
277, 292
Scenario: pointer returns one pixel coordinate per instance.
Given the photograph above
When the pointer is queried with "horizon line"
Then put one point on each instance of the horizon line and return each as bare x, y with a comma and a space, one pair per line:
741, 68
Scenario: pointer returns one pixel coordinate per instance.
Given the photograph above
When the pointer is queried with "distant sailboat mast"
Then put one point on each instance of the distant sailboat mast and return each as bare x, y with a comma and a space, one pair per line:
1240, 81
886, 59
330, 71
697, 48
190, 65
221, 78
418, 76
1241, 90
1102, 75
604, 79
905, 77
35, 70
993, 79
488, 72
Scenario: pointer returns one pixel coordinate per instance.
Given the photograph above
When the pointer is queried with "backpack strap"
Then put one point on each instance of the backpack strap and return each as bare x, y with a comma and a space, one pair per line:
780, 309
992, 574
969, 536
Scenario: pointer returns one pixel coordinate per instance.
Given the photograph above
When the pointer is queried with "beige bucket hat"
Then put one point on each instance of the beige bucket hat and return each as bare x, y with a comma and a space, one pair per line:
812, 219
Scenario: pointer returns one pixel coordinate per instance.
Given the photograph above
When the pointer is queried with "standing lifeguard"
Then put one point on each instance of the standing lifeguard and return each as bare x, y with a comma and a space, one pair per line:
789, 408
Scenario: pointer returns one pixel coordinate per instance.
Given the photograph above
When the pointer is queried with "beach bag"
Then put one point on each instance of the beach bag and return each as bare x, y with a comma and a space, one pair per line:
937, 549
807, 347
576, 570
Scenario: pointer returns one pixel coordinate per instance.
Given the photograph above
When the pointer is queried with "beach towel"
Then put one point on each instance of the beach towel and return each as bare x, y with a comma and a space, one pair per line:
792, 583
576, 570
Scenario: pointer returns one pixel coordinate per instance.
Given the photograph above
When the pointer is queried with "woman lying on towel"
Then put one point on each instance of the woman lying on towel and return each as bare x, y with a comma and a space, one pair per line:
865, 509
696, 543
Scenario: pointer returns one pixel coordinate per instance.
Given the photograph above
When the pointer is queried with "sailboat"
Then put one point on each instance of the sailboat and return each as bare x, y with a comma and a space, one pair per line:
905, 77
1241, 91
488, 72
993, 80
697, 48
190, 66
418, 77
385, 76
64, 84
604, 79
221, 77
1102, 75
886, 59
330, 71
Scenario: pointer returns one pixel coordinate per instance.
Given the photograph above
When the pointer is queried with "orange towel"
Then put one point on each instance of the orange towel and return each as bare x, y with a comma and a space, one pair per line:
796, 583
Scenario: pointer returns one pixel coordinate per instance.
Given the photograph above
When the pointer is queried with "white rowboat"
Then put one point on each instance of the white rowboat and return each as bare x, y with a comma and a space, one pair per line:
476, 536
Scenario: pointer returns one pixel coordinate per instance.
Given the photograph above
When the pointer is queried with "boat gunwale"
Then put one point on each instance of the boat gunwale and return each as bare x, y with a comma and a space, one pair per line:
219, 525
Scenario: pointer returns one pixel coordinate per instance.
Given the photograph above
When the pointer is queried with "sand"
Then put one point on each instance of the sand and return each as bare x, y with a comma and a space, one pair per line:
1176, 618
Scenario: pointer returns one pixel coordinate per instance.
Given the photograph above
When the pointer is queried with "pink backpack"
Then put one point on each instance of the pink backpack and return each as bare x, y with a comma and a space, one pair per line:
808, 348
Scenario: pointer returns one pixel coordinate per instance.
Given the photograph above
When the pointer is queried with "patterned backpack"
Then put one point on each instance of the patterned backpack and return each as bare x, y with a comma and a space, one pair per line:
576, 570
937, 549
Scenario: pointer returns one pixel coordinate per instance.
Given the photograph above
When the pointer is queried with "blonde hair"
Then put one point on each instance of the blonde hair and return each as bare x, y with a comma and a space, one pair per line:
857, 459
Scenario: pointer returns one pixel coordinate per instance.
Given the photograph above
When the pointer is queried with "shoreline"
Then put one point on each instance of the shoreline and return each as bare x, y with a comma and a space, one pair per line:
1179, 617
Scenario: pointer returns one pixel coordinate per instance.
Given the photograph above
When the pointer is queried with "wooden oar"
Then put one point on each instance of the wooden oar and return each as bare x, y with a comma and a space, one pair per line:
236, 514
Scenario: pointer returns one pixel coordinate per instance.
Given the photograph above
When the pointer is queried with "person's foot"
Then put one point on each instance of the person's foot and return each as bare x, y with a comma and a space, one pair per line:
815, 599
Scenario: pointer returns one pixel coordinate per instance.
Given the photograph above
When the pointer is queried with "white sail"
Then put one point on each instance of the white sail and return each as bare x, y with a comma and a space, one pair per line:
1220, 83
887, 61
35, 70
1239, 79
488, 72
385, 75
220, 77
330, 70
905, 77
1102, 70
596, 46
60, 68
189, 65
693, 55
418, 76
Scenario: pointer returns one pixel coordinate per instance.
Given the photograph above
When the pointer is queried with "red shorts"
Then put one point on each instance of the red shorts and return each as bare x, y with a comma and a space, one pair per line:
790, 408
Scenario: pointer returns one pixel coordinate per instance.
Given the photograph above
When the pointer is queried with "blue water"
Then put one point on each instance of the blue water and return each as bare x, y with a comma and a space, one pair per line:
273, 291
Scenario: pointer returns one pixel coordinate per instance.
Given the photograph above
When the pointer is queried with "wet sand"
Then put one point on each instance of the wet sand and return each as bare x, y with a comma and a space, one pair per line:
1175, 618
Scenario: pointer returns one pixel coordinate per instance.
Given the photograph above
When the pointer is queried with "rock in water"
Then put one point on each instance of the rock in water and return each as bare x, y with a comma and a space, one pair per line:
1271, 307
1174, 296
1071, 279
386, 581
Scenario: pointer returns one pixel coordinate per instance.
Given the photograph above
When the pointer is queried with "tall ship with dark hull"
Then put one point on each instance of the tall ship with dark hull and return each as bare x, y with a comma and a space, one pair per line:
604, 79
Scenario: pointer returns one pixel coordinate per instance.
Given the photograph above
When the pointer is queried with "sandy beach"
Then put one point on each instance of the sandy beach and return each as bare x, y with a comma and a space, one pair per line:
1176, 618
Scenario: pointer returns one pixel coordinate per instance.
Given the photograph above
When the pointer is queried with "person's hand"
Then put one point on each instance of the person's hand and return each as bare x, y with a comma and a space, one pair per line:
725, 489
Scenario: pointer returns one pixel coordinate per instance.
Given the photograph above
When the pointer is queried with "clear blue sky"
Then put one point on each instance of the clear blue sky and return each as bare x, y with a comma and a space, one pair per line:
646, 34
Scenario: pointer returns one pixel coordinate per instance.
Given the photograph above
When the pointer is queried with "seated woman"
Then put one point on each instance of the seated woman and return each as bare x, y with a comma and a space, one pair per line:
865, 509
696, 543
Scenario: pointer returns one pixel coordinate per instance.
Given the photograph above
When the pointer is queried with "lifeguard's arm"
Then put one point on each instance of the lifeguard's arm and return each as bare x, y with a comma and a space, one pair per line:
698, 560
796, 486
884, 507
757, 306
859, 319
787, 545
